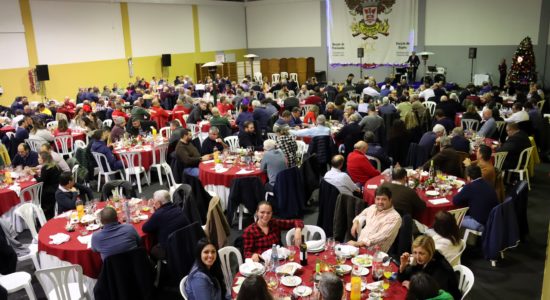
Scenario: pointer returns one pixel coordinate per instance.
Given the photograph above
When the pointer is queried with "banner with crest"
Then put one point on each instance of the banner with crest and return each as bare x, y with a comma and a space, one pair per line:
385, 29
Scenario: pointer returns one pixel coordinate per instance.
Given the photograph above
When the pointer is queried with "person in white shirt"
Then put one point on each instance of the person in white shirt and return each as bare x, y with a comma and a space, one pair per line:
426, 93
382, 222
320, 129
39, 132
518, 114
339, 179
58, 158
446, 236
370, 90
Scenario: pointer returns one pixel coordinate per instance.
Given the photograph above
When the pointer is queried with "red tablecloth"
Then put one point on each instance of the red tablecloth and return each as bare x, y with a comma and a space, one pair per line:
146, 155
79, 136
9, 198
73, 251
7, 128
208, 176
396, 290
427, 216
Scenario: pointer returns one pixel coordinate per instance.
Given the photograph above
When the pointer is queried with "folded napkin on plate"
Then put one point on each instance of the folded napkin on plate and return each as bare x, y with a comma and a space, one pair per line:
243, 171
438, 201
134, 201
16, 188
221, 170
86, 240
372, 186
315, 244
208, 161
59, 238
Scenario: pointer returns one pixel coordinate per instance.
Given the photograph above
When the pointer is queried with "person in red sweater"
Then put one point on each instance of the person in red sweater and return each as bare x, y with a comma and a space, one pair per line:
224, 106
314, 99
159, 114
119, 112
359, 167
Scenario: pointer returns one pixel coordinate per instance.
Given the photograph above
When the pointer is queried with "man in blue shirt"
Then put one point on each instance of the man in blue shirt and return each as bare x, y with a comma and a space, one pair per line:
318, 130
489, 125
114, 238
295, 117
272, 163
25, 157
22, 132
261, 115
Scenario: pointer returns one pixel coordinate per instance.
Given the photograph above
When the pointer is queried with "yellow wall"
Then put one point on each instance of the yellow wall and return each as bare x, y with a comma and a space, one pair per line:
65, 79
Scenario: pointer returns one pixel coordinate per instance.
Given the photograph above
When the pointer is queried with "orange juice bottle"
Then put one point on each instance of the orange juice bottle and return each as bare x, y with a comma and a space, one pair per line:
79, 208
355, 288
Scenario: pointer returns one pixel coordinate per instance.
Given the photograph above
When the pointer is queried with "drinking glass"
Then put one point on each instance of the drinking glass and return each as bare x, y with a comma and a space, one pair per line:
272, 281
340, 259
291, 253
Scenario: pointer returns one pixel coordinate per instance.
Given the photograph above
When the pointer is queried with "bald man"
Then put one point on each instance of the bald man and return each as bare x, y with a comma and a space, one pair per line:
359, 167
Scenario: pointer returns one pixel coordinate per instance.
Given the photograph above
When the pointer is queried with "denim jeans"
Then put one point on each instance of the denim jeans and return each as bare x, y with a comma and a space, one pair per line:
471, 223
191, 171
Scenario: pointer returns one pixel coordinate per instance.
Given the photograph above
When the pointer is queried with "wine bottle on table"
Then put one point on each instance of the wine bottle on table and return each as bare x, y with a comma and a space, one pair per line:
303, 252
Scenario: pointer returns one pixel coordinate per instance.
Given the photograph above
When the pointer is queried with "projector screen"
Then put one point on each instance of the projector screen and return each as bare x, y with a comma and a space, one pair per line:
283, 24
481, 22
70, 32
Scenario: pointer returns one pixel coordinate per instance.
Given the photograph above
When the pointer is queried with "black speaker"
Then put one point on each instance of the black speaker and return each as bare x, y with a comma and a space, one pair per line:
360, 52
472, 53
42, 73
167, 60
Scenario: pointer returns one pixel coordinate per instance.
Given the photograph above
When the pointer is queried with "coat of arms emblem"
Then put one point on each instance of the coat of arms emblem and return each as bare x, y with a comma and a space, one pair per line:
369, 26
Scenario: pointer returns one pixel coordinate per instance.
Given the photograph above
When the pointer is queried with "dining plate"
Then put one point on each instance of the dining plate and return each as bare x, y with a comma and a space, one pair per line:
342, 269
251, 268
92, 227
288, 268
363, 260
363, 286
364, 272
291, 281
302, 291
346, 250
282, 253
432, 193
374, 285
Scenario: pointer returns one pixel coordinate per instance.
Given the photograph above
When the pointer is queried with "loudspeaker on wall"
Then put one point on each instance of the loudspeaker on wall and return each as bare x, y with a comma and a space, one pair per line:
360, 52
472, 53
42, 73
166, 60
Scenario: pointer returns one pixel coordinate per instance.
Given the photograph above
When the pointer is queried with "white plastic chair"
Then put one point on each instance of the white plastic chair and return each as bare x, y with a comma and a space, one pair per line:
470, 124
294, 76
172, 185
275, 78
545, 116
377, 161
284, 75
233, 142
455, 261
500, 127
35, 192
540, 104
62, 143
499, 159
51, 125
459, 214
16, 281
104, 168
28, 212
225, 258
431, 106
308, 232
272, 136
182, 287
132, 168
165, 132
465, 279
108, 123
194, 128
10, 135
306, 108
184, 117
161, 149
258, 77
302, 149
59, 279
522, 169
34, 144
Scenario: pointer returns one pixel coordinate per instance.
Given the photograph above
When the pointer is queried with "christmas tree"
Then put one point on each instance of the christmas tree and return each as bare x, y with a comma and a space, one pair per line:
523, 67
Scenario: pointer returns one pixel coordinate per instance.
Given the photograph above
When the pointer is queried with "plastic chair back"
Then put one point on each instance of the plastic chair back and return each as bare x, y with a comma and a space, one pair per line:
233, 142
225, 258
499, 159
102, 163
182, 287
470, 124
459, 214
108, 123
162, 149
62, 143
378, 164
59, 279
29, 212
34, 144
309, 232
455, 261
275, 78
430, 105
35, 192
166, 132
465, 279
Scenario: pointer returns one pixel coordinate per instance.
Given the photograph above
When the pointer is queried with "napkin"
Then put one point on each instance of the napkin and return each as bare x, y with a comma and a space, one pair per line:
134, 201
243, 171
315, 244
372, 186
59, 238
208, 161
438, 201
16, 188
64, 215
86, 240
221, 170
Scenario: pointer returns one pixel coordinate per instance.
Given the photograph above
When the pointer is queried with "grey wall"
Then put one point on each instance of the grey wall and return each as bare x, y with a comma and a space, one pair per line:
454, 58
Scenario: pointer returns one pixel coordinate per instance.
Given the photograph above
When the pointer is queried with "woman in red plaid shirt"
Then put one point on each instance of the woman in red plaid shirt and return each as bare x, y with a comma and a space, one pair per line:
260, 236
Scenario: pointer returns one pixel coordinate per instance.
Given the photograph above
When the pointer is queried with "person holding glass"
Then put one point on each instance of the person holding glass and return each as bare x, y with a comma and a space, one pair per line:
426, 259
205, 280
266, 231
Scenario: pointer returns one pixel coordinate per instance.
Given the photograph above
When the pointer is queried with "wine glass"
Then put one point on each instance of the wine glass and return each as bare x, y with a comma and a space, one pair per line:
272, 281
340, 259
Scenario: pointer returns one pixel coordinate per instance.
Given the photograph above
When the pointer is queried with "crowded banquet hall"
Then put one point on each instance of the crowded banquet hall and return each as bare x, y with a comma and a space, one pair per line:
274, 149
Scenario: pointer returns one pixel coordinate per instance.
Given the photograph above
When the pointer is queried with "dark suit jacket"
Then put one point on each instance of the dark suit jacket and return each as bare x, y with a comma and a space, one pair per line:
460, 143
65, 200
31, 160
514, 145
250, 140
480, 196
291, 102
167, 219
405, 200
448, 161
349, 135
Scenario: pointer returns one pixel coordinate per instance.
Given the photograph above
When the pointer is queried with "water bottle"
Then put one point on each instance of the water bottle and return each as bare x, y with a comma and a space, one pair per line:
126, 207
274, 257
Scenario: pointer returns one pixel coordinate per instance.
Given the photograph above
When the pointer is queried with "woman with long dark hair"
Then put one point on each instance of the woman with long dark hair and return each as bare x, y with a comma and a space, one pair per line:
49, 175
446, 236
205, 281
254, 287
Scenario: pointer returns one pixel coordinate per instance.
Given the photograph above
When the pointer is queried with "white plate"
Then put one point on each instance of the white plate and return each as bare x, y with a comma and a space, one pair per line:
291, 281
432, 193
459, 183
251, 268
346, 250
364, 272
363, 286
302, 291
363, 260
316, 250
374, 285
92, 227
87, 218
345, 269
288, 268
282, 253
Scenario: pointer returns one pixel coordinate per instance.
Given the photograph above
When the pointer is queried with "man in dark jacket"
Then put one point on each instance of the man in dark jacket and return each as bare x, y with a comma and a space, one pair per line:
25, 157
517, 141
405, 200
447, 160
198, 113
68, 191
166, 219
189, 155
291, 101
249, 137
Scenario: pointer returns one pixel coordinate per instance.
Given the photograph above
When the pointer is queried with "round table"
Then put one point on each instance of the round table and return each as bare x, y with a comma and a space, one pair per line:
427, 216
146, 151
395, 291
9, 198
220, 182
